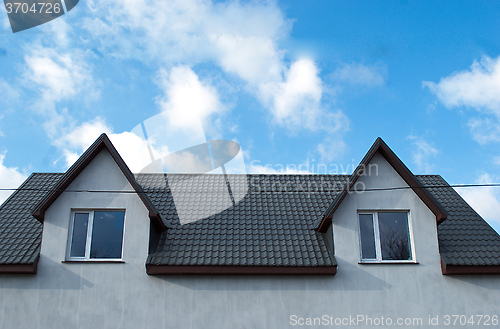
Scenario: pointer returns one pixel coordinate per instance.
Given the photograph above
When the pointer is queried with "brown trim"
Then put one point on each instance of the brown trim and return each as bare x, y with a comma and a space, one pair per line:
93, 261
240, 270
390, 263
18, 268
381, 147
469, 269
101, 143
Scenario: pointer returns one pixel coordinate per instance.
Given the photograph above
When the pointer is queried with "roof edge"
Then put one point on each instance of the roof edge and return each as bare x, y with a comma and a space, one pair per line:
152, 269
30, 268
380, 146
448, 269
102, 142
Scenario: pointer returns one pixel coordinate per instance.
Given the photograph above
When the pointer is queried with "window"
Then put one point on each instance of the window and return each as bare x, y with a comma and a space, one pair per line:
96, 235
385, 236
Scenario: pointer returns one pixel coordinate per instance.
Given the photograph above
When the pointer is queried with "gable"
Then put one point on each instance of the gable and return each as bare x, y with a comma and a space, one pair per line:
380, 147
102, 174
102, 143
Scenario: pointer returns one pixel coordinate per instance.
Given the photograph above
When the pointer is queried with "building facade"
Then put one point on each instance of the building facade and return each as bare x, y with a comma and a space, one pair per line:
99, 247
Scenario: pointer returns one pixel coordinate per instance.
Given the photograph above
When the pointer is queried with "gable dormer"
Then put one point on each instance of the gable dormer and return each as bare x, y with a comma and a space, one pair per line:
101, 144
380, 148
87, 214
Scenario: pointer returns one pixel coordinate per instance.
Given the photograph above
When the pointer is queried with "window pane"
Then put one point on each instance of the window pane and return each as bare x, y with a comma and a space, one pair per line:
394, 235
79, 237
107, 234
367, 236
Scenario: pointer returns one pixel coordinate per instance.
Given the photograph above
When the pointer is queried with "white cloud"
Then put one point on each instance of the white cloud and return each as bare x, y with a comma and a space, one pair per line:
479, 88
133, 149
485, 200
57, 76
81, 137
423, 154
296, 100
10, 178
8, 93
74, 143
186, 99
496, 160
331, 148
485, 130
186, 103
359, 74
60, 31
254, 59
240, 37
186, 31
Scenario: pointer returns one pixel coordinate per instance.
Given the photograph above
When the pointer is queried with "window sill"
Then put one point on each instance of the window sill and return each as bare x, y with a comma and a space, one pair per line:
402, 262
95, 261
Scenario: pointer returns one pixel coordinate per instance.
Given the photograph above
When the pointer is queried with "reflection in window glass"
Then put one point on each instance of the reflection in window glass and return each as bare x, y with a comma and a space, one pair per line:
96, 235
367, 236
394, 235
107, 234
385, 236
79, 237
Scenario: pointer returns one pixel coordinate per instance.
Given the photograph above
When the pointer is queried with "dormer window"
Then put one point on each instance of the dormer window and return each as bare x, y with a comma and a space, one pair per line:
385, 236
96, 235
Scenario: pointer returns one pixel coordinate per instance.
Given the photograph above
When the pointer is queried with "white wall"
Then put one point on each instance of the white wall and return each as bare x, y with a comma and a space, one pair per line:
122, 295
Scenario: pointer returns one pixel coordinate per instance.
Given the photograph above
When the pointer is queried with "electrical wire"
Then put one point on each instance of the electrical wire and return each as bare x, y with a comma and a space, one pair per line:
265, 189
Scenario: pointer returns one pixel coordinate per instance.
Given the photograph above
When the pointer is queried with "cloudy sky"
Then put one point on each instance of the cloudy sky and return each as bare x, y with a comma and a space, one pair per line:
303, 86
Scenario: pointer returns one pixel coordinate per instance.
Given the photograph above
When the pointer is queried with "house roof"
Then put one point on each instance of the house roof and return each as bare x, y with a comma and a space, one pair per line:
467, 243
20, 232
265, 228
379, 146
271, 230
102, 143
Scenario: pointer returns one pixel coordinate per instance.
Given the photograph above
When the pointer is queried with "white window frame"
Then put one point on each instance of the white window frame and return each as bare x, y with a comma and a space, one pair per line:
88, 242
378, 247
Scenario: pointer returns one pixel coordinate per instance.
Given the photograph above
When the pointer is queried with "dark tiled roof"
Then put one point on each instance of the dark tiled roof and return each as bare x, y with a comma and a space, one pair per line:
20, 232
273, 225
464, 237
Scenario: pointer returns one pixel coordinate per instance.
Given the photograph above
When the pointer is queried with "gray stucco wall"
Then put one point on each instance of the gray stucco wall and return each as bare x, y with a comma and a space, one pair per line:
64, 295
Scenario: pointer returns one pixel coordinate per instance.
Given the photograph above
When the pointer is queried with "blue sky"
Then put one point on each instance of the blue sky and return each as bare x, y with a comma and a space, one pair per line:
296, 83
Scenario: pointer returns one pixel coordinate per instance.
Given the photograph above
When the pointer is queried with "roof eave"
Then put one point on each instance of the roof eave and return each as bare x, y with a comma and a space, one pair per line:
28, 268
449, 269
152, 269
